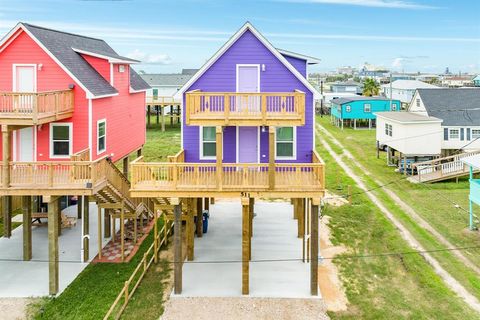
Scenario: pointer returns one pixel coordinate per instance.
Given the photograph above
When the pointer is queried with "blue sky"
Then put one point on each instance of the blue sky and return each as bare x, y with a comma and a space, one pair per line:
409, 35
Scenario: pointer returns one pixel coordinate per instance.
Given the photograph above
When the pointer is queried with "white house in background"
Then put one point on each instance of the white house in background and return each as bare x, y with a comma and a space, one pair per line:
438, 122
350, 87
403, 90
457, 81
166, 84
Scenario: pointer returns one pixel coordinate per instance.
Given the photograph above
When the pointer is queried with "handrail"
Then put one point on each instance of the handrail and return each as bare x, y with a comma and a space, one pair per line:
438, 160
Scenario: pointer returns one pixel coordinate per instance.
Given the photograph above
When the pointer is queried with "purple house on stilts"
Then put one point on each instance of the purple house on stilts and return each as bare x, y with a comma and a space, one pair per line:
248, 131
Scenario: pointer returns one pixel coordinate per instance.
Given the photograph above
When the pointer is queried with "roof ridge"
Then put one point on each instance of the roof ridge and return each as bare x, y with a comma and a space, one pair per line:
59, 31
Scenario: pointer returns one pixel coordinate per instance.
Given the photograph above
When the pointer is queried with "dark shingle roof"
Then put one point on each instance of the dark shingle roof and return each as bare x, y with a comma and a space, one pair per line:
347, 83
62, 44
166, 79
344, 100
136, 81
444, 103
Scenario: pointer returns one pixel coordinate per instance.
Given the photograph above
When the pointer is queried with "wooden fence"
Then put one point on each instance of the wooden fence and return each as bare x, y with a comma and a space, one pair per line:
149, 257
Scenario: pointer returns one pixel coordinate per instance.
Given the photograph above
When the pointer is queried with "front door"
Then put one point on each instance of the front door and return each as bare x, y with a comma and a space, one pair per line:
24, 79
247, 144
248, 81
25, 144
24, 82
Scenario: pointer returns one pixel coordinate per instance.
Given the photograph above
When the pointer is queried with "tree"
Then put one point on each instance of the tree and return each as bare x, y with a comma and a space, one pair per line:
370, 87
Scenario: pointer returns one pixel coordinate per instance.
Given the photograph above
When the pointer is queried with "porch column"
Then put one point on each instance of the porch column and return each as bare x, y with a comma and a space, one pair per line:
7, 200
79, 207
354, 124
199, 217
149, 109
171, 115
86, 225
219, 144
125, 166
271, 157
190, 229
245, 245
99, 231
7, 216
314, 247
300, 217
27, 227
177, 245
53, 245
106, 223
162, 113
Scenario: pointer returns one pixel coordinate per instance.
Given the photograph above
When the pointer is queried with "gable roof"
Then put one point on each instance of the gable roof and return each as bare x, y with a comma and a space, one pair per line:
309, 59
166, 79
136, 82
409, 85
457, 107
265, 42
343, 100
66, 49
406, 117
348, 83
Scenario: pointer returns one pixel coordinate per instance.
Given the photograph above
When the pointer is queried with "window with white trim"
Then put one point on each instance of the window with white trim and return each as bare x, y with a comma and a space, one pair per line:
101, 136
348, 108
121, 68
418, 102
208, 143
475, 133
60, 140
388, 129
367, 107
394, 107
285, 143
454, 134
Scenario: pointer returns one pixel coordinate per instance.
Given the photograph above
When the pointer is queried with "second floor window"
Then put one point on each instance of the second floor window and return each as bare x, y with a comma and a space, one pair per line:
60, 140
155, 94
388, 129
367, 107
418, 103
348, 108
394, 107
208, 143
101, 136
285, 143
475, 133
454, 134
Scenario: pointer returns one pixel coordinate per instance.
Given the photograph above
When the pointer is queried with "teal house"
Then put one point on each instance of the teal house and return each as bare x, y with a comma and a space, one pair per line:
474, 198
476, 81
359, 111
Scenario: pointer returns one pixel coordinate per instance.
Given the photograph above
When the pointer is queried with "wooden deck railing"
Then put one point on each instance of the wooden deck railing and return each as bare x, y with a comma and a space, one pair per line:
36, 107
83, 155
162, 101
264, 108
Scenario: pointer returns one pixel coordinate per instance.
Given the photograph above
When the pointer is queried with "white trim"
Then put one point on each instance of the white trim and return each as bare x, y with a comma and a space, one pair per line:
105, 136
111, 74
230, 42
14, 142
14, 75
308, 59
294, 157
90, 120
131, 90
35, 142
102, 56
181, 124
103, 96
70, 139
237, 144
238, 66
200, 139
314, 123
9, 38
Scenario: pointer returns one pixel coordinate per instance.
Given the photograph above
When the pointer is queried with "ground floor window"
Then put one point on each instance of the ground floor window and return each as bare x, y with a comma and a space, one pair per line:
285, 143
60, 140
101, 136
475, 133
388, 129
454, 134
208, 144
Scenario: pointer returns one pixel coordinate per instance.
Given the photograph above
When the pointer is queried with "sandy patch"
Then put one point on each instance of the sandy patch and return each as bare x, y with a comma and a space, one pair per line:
334, 200
14, 308
331, 287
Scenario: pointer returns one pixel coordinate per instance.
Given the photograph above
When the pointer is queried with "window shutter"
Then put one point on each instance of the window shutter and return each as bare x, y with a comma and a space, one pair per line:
445, 134
462, 134
468, 134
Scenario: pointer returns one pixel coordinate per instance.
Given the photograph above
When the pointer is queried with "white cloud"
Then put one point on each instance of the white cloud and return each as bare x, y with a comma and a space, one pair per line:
145, 58
397, 4
398, 62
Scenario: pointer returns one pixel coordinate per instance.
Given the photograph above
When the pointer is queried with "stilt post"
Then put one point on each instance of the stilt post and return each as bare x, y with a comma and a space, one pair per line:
86, 227
271, 157
199, 217
314, 247
245, 245
99, 230
190, 229
27, 227
177, 229
53, 246
79, 207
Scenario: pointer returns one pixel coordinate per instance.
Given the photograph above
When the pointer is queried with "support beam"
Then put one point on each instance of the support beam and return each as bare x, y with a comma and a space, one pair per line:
295, 208
6, 133
99, 230
125, 166
300, 217
79, 207
157, 110
27, 227
7, 216
199, 217
106, 223
163, 118
206, 203
171, 116
149, 109
219, 148
190, 229
314, 248
53, 246
177, 243
271, 157
86, 226
122, 232
245, 245
59, 221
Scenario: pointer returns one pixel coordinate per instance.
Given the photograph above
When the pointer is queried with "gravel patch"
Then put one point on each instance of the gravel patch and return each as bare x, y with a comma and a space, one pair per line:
14, 308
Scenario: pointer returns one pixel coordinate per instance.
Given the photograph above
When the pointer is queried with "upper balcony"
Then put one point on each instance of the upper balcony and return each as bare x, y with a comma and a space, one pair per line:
245, 109
34, 108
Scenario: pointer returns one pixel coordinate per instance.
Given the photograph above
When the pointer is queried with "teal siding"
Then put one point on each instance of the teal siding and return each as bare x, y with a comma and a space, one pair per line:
475, 191
357, 109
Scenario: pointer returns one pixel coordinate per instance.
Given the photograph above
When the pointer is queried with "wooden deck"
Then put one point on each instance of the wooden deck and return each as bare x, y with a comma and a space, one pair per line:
245, 109
34, 108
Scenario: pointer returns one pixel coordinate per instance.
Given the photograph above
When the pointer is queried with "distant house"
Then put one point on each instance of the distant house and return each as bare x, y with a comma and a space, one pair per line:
166, 84
476, 81
401, 76
439, 122
457, 81
351, 87
404, 90
358, 110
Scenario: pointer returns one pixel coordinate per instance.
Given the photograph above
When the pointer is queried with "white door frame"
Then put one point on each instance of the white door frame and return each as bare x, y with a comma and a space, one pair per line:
14, 75
238, 66
237, 142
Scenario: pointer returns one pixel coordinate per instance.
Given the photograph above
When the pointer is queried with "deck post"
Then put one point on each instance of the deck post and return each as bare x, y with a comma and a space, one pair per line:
206, 204
219, 143
177, 243
149, 109
369, 124
157, 109
27, 227
59, 222
86, 225
271, 157
190, 229
300, 216
125, 166
106, 223
171, 115
314, 247
122, 231
470, 202
53, 246
252, 206
79, 207
7, 200
99, 230
354, 124
245, 245
7, 216
199, 217
162, 114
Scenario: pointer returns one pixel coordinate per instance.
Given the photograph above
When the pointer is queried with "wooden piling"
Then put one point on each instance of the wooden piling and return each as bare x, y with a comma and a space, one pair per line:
86, 227
177, 229
314, 247
53, 246
27, 227
199, 223
245, 245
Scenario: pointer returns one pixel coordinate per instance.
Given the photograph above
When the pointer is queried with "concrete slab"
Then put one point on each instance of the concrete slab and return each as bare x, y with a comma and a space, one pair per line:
20, 278
216, 270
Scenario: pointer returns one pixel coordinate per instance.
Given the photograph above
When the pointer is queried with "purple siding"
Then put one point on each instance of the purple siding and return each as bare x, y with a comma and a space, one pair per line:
299, 64
221, 77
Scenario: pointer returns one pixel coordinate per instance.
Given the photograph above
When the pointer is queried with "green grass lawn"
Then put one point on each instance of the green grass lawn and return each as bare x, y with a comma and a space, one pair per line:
393, 287
91, 294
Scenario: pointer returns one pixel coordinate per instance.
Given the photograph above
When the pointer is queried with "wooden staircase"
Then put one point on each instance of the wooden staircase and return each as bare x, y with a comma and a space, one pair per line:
441, 169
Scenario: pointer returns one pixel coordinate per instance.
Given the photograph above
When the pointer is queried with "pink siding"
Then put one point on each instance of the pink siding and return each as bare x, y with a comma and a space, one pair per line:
101, 65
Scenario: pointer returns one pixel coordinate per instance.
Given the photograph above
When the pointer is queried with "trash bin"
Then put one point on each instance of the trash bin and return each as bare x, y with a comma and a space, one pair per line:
206, 215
